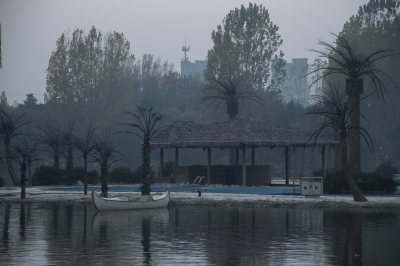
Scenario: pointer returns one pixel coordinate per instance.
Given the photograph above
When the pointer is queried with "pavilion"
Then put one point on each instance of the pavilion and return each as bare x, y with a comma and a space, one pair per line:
241, 134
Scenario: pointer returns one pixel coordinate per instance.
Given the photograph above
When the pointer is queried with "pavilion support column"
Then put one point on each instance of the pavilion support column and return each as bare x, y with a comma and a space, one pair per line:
161, 162
253, 151
287, 164
237, 156
176, 157
323, 155
244, 174
208, 165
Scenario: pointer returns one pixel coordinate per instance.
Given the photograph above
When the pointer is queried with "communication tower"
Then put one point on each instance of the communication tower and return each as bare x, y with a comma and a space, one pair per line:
185, 49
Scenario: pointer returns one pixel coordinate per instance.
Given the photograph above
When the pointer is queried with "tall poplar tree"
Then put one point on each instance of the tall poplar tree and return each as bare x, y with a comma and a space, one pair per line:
239, 64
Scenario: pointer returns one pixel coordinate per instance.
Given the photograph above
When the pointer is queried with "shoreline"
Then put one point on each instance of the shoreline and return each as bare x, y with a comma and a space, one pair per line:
375, 202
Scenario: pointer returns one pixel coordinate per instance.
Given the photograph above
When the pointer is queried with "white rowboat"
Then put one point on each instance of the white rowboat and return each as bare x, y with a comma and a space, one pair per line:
126, 202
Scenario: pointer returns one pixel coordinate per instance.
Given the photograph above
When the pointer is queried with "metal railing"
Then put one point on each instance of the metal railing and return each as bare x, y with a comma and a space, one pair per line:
198, 181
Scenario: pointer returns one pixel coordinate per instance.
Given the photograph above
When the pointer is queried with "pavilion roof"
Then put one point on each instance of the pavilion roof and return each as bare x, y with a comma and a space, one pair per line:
247, 131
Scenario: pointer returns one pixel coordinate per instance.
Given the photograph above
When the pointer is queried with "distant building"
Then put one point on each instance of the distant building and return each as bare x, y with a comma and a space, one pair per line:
295, 86
197, 68
192, 68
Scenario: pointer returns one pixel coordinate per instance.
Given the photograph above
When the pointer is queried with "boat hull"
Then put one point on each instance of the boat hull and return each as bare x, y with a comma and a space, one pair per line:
113, 204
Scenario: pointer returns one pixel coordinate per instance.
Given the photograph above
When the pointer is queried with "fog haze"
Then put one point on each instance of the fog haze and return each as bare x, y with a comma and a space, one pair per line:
30, 30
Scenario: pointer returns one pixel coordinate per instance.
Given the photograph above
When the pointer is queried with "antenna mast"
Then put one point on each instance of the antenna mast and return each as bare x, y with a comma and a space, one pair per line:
185, 49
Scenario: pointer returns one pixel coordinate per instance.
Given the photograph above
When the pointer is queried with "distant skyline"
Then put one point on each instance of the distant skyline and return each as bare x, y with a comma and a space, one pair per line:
30, 30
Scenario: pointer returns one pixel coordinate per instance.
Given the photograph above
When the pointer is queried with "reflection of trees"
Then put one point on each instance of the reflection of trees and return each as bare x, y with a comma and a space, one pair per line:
212, 235
245, 235
54, 218
69, 218
22, 222
146, 231
355, 235
344, 237
352, 254
5, 235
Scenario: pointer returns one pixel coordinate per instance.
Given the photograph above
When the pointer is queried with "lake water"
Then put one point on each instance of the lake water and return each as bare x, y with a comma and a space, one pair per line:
75, 234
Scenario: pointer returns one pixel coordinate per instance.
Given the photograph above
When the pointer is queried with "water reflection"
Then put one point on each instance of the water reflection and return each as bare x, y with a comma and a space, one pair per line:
146, 229
22, 221
6, 223
71, 234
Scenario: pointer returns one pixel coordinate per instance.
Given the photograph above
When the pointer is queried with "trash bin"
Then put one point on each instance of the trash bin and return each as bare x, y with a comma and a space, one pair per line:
311, 186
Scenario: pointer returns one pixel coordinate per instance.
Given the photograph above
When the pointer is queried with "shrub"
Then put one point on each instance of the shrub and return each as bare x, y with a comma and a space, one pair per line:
123, 175
375, 182
386, 168
167, 168
334, 181
93, 176
48, 175
378, 181
137, 173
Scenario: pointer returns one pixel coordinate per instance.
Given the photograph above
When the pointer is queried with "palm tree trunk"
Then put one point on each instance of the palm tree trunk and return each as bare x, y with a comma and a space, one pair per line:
10, 167
337, 153
146, 179
104, 181
70, 161
354, 88
85, 178
23, 180
232, 109
57, 156
355, 191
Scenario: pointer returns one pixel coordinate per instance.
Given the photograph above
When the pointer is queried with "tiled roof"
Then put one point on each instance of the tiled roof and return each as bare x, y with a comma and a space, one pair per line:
247, 131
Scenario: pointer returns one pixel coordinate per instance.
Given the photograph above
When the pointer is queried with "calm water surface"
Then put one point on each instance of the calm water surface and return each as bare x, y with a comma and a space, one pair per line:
75, 234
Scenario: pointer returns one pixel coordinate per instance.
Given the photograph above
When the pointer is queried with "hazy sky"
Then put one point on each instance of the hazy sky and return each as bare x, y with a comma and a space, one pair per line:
30, 29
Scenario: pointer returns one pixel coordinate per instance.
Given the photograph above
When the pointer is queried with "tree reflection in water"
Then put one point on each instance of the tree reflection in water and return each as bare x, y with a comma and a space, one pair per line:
209, 235
5, 236
353, 243
22, 222
146, 231
84, 224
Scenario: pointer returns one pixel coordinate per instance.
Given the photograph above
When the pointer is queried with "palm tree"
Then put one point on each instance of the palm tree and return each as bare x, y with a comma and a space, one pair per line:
10, 125
85, 145
334, 108
24, 154
346, 61
104, 154
144, 126
228, 90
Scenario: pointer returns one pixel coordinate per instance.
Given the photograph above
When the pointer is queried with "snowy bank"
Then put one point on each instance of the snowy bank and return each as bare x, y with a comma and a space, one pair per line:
44, 194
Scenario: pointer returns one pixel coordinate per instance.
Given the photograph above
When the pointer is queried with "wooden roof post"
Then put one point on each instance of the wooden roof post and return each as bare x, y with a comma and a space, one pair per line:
253, 151
244, 177
176, 157
323, 155
287, 164
161, 162
236, 156
208, 165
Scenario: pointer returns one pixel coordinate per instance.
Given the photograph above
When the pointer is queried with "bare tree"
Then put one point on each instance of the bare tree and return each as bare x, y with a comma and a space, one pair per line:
144, 126
10, 127
104, 154
85, 145
24, 154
